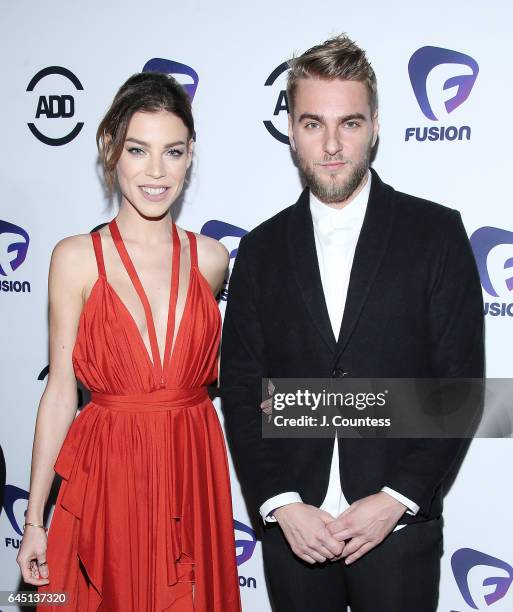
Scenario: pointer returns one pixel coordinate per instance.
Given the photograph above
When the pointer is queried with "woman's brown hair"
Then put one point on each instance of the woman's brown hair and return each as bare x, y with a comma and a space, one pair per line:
148, 92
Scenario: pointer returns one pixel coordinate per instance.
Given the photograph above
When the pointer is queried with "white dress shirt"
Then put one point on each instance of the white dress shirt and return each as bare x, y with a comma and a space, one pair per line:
336, 232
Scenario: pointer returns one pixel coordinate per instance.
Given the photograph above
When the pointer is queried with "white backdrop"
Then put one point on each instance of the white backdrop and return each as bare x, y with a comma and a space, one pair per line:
243, 175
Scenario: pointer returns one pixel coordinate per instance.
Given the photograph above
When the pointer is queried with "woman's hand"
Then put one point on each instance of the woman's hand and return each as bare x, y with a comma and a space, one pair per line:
32, 556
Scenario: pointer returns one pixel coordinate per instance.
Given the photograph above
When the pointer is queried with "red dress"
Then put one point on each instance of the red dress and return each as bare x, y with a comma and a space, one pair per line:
144, 510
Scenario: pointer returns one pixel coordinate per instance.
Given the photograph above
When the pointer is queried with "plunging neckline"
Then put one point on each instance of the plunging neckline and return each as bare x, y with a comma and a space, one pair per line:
159, 365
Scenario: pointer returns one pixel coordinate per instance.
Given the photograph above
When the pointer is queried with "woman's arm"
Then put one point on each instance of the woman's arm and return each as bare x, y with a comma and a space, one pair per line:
58, 404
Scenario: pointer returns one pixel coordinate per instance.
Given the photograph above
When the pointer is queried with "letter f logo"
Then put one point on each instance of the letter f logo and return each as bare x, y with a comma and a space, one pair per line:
464, 559
173, 68
422, 63
13, 240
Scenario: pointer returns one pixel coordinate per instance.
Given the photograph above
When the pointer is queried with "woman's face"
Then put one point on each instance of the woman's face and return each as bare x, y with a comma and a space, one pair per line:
152, 167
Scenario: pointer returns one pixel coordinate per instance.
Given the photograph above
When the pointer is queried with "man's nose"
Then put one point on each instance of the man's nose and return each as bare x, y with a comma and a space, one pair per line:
333, 142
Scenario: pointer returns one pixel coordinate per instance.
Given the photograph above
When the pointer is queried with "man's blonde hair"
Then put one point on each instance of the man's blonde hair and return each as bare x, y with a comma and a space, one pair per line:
336, 58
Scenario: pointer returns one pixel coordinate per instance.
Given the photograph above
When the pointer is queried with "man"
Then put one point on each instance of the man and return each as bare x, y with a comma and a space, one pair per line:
354, 280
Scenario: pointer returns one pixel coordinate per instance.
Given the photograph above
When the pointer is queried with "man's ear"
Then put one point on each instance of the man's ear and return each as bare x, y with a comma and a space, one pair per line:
291, 135
375, 127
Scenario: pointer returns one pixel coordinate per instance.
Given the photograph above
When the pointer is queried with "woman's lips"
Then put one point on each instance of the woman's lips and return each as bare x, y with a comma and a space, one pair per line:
154, 193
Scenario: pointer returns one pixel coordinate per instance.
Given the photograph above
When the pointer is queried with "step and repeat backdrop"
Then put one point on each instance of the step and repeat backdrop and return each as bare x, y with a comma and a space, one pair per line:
444, 83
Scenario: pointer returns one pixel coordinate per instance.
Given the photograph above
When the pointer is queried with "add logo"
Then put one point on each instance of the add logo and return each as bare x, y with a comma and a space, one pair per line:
176, 70
277, 126
58, 105
465, 559
493, 251
420, 67
14, 243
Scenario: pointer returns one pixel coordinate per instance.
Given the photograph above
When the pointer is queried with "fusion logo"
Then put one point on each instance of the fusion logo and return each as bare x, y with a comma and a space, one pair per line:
425, 68
277, 126
229, 235
465, 560
12, 498
55, 105
181, 72
493, 251
14, 242
245, 547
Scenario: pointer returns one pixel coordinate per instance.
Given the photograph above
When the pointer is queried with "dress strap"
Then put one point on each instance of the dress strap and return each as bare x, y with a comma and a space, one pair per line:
98, 252
193, 248
173, 297
134, 277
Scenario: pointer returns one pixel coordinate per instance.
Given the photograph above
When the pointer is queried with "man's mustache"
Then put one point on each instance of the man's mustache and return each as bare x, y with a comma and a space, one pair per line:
330, 159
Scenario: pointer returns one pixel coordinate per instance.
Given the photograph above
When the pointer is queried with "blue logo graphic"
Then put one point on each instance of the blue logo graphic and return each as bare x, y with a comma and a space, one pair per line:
464, 559
173, 68
422, 63
13, 494
483, 241
245, 544
14, 239
220, 229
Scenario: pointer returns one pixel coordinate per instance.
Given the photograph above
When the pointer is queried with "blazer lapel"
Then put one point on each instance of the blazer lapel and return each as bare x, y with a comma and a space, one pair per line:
371, 247
305, 266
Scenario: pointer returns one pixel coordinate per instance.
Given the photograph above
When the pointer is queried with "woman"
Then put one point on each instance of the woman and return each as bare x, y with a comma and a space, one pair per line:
143, 517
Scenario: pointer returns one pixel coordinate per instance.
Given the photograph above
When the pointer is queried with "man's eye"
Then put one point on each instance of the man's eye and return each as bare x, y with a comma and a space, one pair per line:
352, 124
312, 125
135, 151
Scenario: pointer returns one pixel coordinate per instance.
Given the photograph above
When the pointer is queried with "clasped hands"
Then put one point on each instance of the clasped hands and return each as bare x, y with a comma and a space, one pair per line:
316, 536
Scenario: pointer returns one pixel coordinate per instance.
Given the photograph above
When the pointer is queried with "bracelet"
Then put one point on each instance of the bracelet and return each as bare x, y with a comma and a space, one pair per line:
34, 525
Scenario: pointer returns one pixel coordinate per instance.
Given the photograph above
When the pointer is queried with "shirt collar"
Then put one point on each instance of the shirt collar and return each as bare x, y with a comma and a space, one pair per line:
352, 212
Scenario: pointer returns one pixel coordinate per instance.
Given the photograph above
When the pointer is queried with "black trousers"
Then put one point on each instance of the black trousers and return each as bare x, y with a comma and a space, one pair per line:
402, 574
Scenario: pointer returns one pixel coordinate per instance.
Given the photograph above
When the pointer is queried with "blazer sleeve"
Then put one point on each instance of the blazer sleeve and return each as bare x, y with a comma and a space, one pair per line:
260, 462
456, 331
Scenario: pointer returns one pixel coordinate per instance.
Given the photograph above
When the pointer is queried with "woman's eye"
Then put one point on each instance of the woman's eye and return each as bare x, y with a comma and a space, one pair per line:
137, 151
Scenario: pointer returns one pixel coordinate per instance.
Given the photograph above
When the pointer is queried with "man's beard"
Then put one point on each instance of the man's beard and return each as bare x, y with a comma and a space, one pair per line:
328, 190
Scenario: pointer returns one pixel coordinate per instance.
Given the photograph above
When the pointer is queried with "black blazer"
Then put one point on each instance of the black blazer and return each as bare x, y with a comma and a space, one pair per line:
414, 309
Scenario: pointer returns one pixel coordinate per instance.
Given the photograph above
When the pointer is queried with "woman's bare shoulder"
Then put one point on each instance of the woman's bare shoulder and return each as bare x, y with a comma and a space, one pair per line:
73, 258
212, 253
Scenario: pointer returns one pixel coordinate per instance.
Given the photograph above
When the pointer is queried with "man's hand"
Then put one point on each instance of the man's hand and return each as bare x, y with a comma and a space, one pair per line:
267, 405
366, 522
304, 527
